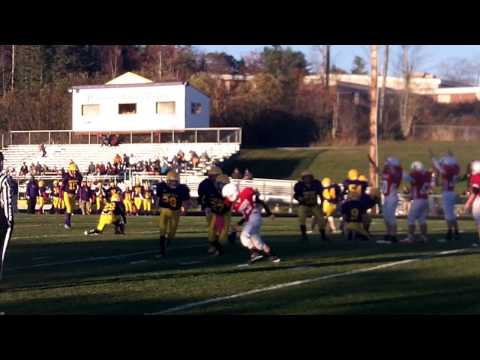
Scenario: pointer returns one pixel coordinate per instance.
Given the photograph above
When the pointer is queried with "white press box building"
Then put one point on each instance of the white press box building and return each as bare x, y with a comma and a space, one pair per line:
133, 103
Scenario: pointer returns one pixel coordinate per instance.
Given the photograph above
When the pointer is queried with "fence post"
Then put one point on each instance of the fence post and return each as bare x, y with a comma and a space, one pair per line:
173, 136
11, 138
196, 131
89, 138
70, 138
131, 137
49, 137
29, 138
151, 137
218, 136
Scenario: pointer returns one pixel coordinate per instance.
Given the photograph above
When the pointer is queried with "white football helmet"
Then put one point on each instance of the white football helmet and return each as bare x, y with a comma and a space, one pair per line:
418, 166
231, 192
448, 160
476, 167
393, 161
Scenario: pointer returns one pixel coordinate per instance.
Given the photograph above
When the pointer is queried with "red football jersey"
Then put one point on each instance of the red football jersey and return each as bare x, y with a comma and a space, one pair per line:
246, 202
421, 183
448, 176
475, 181
391, 179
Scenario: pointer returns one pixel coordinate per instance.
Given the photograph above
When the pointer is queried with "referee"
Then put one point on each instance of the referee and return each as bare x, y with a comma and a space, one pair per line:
6, 214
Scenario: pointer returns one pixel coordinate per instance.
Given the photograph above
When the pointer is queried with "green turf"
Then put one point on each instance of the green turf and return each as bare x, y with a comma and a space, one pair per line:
54, 271
336, 161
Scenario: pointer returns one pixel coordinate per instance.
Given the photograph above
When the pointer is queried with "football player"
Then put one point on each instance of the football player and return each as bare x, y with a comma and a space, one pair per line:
112, 213
473, 202
127, 201
218, 229
174, 200
71, 182
41, 197
331, 198
391, 179
449, 172
306, 192
99, 197
138, 197
353, 183
249, 205
55, 197
206, 189
420, 184
148, 198
354, 210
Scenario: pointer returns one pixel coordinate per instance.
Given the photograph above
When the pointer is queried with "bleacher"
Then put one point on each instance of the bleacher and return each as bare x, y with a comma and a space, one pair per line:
60, 155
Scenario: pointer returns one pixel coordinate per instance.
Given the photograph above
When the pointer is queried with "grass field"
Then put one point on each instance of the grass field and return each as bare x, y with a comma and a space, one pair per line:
336, 161
53, 271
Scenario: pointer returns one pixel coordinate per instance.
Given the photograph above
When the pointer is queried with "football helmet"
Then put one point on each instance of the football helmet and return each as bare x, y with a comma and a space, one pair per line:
353, 174
326, 182
418, 166
215, 170
231, 191
476, 167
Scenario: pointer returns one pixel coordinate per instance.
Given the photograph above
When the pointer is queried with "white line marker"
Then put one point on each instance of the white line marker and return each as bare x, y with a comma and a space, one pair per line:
191, 263
99, 258
296, 283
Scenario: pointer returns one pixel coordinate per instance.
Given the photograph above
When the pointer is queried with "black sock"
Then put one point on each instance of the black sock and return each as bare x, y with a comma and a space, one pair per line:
163, 241
303, 230
232, 237
323, 235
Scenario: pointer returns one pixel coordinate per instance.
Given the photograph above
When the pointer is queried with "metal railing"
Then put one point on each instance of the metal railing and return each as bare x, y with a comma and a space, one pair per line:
190, 135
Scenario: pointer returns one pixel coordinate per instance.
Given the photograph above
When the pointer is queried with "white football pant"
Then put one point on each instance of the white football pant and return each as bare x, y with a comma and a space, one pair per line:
448, 202
250, 235
390, 204
418, 211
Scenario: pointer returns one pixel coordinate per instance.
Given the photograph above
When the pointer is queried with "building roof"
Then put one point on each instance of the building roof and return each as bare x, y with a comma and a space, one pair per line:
167, 83
129, 78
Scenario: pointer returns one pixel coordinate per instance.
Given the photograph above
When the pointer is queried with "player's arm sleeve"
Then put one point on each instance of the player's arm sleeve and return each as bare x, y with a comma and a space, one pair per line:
407, 178
265, 206
297, 192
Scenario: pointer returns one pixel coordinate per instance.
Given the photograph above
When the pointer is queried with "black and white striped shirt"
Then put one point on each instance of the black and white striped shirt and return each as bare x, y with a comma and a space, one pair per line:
6, 203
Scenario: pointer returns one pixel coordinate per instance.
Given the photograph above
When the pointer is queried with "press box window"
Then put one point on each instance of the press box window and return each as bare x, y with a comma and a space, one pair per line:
127, 109
91, 110
196, 108
166, 107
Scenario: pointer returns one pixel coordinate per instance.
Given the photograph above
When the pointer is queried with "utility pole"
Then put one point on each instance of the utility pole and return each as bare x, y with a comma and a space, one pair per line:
373, 114
327, 68
382, 95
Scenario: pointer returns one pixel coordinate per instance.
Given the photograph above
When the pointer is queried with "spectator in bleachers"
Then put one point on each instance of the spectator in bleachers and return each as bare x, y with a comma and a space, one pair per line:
32, 193
109, 169
126, 161
38, 169
91, 168
236, 174
164, 167
247, 175
194, 159
43, 150
24, 169
117, 160
114, 140
103, 170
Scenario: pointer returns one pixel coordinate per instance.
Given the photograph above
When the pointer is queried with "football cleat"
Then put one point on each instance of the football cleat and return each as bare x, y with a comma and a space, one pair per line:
68, 227
255, 257
274, 259
407, 240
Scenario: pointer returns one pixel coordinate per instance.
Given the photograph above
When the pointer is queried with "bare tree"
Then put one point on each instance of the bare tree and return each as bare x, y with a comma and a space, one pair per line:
412, 57
373, 114
381, 110
462, 70
13, 68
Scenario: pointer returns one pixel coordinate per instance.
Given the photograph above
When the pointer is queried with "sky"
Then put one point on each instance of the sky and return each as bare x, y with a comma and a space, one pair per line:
342, 55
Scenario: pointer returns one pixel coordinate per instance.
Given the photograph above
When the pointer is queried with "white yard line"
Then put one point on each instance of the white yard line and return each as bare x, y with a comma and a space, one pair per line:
99, 258
300, 282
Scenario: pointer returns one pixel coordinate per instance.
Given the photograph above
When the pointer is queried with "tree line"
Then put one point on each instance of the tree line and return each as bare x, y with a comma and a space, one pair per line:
276, 108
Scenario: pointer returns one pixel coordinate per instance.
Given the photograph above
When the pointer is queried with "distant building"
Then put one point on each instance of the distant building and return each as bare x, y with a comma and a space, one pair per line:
133, 103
